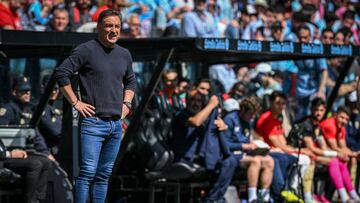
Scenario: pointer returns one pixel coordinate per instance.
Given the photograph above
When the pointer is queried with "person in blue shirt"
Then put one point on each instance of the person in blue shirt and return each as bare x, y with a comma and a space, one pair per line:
199, 22
260, 167
311, 77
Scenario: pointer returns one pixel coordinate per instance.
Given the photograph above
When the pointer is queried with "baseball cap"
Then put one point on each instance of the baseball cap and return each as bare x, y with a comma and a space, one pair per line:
263, 68
353, 96
231, 105
22, 83
262, 3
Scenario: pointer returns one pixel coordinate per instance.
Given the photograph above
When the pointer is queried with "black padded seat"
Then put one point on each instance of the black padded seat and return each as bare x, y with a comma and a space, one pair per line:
178, 171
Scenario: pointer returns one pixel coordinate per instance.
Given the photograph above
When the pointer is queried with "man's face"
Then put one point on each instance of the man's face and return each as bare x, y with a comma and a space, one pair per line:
339, 39
183, 86
327, 38
277, 34
54, 94
109, 30
61, 21
135, 26
278, 105
319, 112
204, 88
83, 4
304, 36
195, 102
348, 22
200, 5
23, 96
14, 4
170, 80
342, 119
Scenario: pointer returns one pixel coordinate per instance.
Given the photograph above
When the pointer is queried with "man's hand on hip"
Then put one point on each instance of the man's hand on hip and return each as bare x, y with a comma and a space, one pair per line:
85, 109
125, 111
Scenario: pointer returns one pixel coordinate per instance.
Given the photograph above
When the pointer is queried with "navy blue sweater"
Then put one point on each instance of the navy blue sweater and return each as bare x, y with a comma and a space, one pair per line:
105, 73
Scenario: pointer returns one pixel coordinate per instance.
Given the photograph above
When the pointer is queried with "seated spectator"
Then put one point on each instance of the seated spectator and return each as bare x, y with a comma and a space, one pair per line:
169, 78
223, 73
238, 91
183, 87
269, 126
134, 26
238, 135
204, 87
9, 18
264, 77
40, 13
196, 133
327, 36
242, 74
34, 170
169, 13
335, 133
80, 13
353, 128
314, 141
19, 111
60, 21
51, 121
199, 22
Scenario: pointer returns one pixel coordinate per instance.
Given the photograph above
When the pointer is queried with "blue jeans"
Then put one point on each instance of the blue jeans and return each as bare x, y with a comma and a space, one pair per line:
100, 144
283, 163
222, 179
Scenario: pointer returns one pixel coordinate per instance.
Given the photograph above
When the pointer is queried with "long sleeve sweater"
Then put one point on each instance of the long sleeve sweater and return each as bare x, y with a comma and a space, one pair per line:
104, 73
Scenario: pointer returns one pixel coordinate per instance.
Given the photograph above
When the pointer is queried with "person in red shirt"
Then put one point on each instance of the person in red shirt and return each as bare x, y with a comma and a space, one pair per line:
269, 127
334, 132
313, 139
9, 18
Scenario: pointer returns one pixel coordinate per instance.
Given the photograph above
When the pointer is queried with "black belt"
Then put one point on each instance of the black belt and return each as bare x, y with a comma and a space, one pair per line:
110, 118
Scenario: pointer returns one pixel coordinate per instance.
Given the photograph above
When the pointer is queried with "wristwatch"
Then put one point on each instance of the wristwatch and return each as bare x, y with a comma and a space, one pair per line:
128, 104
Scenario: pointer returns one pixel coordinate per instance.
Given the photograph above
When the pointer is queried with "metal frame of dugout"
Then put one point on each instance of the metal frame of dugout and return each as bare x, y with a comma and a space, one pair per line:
15, 44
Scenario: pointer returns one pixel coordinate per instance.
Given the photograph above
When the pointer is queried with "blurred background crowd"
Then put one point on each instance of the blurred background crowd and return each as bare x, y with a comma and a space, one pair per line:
328, 20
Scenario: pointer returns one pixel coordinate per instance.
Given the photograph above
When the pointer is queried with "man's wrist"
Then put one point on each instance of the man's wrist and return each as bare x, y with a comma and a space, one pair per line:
75, 103
127, 104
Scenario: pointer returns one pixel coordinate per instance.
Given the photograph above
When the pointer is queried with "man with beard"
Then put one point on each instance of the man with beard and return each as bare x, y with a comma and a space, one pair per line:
80, 13
334, 132
9, 18
196, 134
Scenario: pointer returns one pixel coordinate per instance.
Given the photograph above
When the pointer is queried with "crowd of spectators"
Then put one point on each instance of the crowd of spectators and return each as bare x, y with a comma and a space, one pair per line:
255, 115
244, 19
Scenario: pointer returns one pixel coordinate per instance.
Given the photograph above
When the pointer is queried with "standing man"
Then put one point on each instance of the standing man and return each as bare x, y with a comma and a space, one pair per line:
107, 85
311, 77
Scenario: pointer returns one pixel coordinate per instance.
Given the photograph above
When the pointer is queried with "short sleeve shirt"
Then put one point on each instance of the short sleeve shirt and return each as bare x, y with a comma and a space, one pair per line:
330, 129
267, 126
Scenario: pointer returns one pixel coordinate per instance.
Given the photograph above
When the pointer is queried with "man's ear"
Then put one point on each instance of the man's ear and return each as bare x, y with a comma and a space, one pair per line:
14, 92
